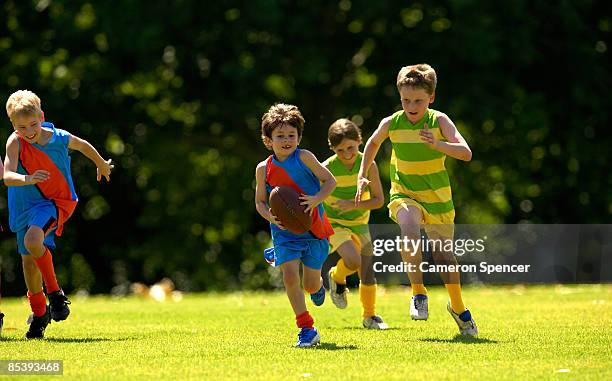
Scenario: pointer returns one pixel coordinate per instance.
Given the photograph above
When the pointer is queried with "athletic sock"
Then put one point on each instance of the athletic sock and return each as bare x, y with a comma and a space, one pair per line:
418, 289
45, 265
38, 303
454, 292
367, 295
340, 272
304, 320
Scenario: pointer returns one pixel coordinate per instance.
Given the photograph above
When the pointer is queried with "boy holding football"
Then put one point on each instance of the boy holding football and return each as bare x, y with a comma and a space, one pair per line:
281, 132
420, 193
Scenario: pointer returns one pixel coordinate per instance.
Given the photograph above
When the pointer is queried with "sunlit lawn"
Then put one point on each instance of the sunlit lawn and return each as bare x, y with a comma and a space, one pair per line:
537, 332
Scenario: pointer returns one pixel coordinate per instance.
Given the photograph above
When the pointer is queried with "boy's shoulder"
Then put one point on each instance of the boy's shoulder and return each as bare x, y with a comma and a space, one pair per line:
305, 155
262, 164
330, 160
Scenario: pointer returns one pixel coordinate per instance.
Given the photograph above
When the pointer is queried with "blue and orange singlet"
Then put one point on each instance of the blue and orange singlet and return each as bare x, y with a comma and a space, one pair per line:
294, 173
59, 189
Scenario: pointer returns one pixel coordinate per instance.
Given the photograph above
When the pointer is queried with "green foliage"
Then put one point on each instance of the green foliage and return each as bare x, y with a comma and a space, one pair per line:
174, 91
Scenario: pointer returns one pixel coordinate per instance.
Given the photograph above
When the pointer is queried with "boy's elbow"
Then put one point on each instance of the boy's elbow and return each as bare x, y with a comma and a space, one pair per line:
468, 155
379, 203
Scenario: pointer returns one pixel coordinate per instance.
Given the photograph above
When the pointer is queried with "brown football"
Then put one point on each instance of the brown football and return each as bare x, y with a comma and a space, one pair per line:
285, 205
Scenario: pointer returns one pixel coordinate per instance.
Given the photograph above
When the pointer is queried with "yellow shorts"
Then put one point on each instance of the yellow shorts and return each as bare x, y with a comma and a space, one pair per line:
445, 221
342, 235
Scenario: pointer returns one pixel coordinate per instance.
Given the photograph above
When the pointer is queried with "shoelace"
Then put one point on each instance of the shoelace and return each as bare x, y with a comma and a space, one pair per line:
303, 333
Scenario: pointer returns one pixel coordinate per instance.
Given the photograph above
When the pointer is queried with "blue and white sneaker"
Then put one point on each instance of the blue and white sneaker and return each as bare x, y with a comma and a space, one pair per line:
308, 337
318, 297
467, 326
419, 308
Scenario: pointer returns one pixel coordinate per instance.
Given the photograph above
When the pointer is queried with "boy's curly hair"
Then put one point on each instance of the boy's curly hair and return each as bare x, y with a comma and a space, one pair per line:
420, 76
342, 129
278, 115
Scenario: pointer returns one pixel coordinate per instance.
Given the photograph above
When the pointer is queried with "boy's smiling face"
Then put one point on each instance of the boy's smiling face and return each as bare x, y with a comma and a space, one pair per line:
415, 102
347, 151
28, 126
285, 140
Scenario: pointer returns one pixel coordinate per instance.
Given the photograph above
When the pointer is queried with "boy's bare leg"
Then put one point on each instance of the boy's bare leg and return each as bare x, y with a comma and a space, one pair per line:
350, 255
409, 220
451, 279
33, 241
291, 279
31, 274
312, 280
348, 264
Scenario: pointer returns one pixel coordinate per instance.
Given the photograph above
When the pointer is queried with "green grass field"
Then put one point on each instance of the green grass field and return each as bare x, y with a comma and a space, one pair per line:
538, 332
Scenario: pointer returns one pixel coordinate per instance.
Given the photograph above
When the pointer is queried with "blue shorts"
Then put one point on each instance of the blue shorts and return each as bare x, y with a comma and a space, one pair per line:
311, 252
45, 217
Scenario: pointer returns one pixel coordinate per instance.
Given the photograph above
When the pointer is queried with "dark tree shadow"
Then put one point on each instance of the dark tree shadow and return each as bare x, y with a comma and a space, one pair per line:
461, 340
67, 339
360, 328
84, 339
335, 347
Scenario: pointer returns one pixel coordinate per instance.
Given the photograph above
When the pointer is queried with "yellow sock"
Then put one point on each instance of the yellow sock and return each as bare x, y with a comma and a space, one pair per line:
340, 272
367, 295
418, 289
454, 291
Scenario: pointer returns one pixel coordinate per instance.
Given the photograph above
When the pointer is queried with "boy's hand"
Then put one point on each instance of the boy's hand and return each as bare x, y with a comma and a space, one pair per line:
276, 221
38, 176
104, 169
362, 183
428, 137
345, 205
311, 203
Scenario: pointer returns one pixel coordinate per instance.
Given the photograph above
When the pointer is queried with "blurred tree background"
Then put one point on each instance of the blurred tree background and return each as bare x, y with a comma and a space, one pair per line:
174, 91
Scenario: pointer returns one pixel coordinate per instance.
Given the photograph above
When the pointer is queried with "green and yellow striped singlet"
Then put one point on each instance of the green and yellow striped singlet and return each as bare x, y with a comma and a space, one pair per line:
417, 171
346, 188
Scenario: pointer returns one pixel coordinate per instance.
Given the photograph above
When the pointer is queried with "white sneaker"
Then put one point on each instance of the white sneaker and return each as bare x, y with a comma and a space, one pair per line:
375, 322
419, 307
467, 327
337, 292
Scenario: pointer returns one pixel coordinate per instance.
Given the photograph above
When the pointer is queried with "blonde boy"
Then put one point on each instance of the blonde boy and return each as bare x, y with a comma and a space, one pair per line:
41, 198
420, 192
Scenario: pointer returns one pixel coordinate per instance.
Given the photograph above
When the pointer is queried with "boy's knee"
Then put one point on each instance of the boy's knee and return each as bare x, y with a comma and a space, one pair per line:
33, 243
353, 262
312, 285
291, 278
410, 230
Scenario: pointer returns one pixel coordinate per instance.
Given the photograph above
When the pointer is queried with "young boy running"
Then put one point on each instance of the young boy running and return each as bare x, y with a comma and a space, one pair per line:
41, 198
281, 131
420, 193
351, 237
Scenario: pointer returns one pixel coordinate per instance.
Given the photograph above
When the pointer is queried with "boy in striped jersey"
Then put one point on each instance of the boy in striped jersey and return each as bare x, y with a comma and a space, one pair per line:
351, 237
420, 188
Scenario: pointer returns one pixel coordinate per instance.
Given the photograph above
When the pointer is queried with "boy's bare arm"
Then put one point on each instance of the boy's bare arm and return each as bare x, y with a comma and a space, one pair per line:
261, 195
455, 146
11, 177
377, 198
328, 181
103, 167
369, 153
